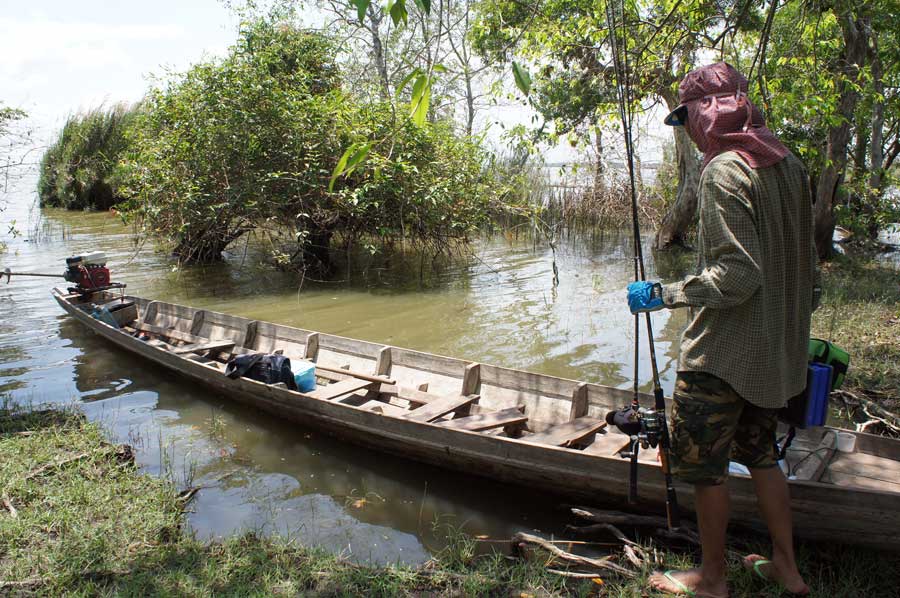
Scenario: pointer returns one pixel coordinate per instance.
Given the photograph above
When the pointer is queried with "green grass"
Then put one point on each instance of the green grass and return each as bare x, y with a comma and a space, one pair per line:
860, 312
88, 523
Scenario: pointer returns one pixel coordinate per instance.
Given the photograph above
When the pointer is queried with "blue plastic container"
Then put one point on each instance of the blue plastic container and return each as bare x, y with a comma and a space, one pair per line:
818, 386
304, 375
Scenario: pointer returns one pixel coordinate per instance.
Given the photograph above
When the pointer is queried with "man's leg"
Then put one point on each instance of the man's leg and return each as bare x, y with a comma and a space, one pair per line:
754, 444
774, 501
704, 418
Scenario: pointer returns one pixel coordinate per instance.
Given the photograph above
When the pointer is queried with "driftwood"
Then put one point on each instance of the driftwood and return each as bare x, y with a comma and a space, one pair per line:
44, 468
875, 412
7, 502
605, 522
521, 541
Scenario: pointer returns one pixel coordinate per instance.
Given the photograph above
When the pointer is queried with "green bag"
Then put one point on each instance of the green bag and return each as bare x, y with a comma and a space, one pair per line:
822, 351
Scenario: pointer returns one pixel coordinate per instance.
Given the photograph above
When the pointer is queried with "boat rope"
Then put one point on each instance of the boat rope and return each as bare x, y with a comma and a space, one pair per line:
616, 24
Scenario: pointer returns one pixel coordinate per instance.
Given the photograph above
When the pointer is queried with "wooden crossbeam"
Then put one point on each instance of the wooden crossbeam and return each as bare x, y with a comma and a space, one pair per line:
218, 346
385, 408
173, 334
441, 407
487, 421
569, 433
338, 389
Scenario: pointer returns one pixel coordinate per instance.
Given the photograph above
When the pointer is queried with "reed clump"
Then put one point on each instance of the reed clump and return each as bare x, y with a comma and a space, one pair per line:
80, 170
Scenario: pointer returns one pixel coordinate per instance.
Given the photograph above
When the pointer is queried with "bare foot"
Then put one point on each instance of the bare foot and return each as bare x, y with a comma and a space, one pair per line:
688, 583
790, 580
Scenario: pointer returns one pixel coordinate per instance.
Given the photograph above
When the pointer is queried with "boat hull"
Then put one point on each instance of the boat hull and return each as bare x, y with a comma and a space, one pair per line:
821, 511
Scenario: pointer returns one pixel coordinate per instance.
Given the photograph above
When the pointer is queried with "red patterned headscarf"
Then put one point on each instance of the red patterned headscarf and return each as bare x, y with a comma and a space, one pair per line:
721, 118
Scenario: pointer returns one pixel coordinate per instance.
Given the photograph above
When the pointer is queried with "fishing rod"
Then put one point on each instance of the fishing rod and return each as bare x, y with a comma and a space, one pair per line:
646, 427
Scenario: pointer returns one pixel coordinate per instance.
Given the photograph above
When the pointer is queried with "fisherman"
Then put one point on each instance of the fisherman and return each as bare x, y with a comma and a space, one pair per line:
744, 352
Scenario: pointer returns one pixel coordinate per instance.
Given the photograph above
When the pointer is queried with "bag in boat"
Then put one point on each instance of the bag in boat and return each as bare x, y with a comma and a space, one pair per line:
269, 369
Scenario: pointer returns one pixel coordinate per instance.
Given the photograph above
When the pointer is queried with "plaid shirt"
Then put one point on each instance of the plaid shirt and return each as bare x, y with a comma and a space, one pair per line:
752, 300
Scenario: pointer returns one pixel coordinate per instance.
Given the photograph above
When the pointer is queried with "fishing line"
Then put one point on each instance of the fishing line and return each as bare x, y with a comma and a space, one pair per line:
625, 94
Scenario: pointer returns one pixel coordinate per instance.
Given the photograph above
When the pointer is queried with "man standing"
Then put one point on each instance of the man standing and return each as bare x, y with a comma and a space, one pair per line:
744, 352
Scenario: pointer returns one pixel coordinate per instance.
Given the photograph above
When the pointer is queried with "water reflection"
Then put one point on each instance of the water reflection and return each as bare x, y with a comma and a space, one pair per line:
260, 473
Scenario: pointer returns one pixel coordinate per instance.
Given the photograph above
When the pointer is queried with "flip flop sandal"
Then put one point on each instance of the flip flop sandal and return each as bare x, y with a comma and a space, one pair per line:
758, 563
683, 590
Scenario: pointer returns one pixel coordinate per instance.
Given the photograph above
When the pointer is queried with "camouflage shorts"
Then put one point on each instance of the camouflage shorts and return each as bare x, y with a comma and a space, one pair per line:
711, 425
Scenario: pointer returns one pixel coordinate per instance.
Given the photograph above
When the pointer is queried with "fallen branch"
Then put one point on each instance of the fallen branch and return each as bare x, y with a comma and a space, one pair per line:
9, 506
31, 582
624, 519
187, 496
521, 540
875, 412
573, 574
44, 468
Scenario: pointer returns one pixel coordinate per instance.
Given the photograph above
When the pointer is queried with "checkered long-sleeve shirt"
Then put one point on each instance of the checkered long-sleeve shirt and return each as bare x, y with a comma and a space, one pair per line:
753, 297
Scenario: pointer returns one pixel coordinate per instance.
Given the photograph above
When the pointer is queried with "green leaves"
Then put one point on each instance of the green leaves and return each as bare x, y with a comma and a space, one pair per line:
351, 158
523, 79
421, 99
361, 7
397, 10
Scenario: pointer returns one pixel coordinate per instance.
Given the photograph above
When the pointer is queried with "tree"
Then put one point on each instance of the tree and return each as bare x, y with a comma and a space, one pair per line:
267, 140
381, 53
568, 44
833, 89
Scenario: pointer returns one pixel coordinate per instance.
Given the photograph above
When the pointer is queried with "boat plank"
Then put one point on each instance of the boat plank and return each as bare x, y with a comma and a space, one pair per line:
487, 421
220, 345
569, 433
877, 468
385, 408
337, 389
172, 333
441, 407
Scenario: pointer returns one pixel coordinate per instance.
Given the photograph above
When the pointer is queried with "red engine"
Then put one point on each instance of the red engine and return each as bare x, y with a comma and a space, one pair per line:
89, 278
88, 272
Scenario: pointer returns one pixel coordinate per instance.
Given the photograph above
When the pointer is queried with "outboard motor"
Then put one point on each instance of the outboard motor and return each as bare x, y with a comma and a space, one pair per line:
88, 272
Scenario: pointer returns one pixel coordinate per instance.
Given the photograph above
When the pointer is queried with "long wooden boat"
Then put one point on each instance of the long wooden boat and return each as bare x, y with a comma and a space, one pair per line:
537, 431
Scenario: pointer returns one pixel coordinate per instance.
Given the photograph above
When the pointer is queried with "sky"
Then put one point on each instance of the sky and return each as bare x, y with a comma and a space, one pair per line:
59, 57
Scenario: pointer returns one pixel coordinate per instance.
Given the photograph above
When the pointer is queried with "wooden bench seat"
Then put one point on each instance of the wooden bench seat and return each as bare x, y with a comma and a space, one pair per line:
575, 432
441, 407
487, 421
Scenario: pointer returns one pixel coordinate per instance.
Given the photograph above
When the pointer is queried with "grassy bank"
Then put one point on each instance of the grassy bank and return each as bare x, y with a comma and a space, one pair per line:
860, 312
77, 518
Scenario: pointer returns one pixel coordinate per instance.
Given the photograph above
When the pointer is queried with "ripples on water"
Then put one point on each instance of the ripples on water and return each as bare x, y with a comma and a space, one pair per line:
260, 473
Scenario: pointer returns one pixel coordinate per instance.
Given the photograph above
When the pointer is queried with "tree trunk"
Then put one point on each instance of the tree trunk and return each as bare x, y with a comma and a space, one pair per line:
598, 163
855, 31
681, 215
375, 17
876, 149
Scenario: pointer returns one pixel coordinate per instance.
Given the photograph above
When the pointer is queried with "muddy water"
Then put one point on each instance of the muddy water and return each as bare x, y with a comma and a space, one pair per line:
263, 474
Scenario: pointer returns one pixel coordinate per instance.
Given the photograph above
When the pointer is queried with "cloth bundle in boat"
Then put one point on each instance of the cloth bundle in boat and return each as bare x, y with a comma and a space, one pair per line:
269, 369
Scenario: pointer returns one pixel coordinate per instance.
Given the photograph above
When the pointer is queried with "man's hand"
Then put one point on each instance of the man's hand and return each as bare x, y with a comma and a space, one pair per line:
644, 296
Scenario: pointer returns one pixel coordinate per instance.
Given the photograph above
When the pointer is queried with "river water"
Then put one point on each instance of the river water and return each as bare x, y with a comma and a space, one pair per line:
259, 473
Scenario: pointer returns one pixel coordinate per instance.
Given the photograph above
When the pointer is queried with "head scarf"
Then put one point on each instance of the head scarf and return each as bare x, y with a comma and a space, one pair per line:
721, 118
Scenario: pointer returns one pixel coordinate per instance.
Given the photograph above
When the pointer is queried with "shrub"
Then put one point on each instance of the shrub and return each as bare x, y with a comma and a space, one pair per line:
249, 142
79, 170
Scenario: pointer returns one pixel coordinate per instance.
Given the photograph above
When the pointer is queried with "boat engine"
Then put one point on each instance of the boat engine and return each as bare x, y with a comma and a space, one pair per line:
88, 272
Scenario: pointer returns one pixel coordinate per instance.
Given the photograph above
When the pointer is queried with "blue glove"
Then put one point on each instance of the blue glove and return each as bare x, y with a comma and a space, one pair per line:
644, 296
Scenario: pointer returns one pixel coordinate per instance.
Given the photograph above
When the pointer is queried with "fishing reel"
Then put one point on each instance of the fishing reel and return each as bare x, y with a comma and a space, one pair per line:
641, 423
645, 429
